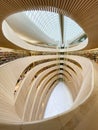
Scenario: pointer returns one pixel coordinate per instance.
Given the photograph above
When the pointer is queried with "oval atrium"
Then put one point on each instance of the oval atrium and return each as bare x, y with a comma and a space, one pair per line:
48, 65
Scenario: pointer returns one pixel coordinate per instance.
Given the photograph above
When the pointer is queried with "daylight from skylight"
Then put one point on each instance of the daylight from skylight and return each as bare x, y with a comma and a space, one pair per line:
49, 24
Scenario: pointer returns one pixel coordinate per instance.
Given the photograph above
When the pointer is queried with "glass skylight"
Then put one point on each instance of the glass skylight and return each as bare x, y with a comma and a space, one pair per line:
49, 23
72, 31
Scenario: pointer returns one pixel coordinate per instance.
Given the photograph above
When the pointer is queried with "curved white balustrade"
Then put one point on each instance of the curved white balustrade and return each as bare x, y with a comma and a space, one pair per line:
85, 82
26, 109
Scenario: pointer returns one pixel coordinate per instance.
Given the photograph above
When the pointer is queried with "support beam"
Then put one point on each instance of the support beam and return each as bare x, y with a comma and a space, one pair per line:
61, 19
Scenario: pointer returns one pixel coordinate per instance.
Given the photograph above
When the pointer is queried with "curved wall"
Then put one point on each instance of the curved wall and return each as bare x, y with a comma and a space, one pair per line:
16, 109
32, 92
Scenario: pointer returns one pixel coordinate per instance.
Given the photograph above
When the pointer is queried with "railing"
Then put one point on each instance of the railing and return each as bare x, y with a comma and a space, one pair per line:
34, 90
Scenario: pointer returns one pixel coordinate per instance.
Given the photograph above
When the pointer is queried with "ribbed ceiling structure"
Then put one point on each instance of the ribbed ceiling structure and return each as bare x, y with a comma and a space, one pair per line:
26, 83
61, 29
47, 22
82, 12
44, 29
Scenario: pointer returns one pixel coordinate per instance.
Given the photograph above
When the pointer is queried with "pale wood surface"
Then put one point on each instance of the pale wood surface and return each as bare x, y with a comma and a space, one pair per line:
9, 113
83, 115
83, 12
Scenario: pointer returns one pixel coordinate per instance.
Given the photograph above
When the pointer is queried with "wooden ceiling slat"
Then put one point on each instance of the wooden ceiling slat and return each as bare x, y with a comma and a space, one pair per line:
85, 12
